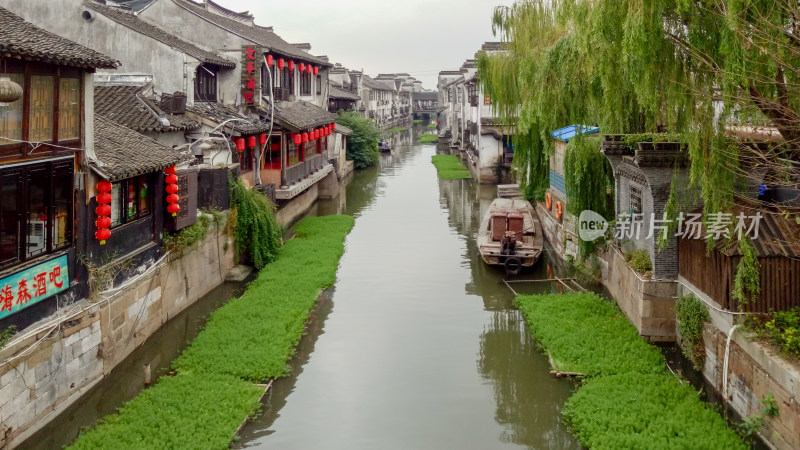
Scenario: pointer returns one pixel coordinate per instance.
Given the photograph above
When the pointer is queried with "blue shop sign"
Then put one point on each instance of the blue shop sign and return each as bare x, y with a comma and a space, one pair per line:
33, 285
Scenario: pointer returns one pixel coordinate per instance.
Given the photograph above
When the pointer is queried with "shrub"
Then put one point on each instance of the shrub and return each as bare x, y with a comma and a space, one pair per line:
362, 145
692, 313
782, 330
639, 260
256, 231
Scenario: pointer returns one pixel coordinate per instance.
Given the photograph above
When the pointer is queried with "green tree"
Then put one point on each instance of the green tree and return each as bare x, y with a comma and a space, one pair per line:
362, 145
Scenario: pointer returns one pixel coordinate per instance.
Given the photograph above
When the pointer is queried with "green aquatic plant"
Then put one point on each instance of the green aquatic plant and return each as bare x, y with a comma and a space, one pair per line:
250, 338
183, 411
627, 398
449, 167
427, 138
392, 130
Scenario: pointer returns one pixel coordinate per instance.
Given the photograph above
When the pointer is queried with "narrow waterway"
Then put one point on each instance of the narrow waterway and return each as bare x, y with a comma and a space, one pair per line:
418, 346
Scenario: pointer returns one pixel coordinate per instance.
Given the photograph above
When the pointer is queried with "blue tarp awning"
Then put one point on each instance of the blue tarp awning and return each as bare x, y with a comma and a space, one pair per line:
567, 133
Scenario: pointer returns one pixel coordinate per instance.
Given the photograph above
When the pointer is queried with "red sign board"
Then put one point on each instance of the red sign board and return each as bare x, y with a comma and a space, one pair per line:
252, 58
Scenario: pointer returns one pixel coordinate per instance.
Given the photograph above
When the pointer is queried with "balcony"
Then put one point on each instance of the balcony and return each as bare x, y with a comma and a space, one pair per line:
303, 182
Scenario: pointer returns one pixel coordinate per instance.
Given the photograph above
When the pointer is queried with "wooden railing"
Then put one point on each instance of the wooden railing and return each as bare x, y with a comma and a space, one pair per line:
295, 173
302, 170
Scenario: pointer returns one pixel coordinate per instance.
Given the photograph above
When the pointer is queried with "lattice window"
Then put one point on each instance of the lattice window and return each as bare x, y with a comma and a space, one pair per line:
636, 200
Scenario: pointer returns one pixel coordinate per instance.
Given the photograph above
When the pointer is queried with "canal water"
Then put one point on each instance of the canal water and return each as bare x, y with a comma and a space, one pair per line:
418, 345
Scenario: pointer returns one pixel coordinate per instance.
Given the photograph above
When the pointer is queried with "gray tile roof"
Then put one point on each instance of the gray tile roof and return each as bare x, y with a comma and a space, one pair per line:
336, 92
299, 116
124, 153
343, 129
126, 106
377, 85
259, 35
24, 40
428, 95
134, 23
218, 113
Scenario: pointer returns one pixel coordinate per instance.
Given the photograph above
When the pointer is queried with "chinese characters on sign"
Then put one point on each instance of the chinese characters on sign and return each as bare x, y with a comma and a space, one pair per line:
32, 285
252, 57
690, 226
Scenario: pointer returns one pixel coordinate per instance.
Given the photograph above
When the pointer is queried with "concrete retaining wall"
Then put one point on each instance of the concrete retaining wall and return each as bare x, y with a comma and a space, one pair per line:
49, 367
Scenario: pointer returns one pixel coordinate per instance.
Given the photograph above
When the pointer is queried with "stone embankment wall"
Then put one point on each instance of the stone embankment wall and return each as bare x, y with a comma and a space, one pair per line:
52, 365
754, 370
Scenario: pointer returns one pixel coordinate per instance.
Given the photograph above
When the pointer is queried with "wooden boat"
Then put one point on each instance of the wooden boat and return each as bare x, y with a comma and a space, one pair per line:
383, 146
510, 235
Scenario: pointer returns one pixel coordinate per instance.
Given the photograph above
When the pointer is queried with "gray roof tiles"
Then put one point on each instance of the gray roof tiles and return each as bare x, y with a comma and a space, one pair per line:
135, 23
126, 106
24, 40
124, 153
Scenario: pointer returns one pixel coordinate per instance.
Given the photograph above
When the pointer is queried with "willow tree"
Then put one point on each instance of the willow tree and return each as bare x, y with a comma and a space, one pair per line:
713, 70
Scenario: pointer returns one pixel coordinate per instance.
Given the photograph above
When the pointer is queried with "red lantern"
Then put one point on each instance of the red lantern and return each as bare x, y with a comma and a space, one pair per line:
171, 189
281, 63
269, 60
304, 139
298, 139
291, 65
240, 144
173, 208
316, 134
103, 199
102, 222
103, 186
333, 125
102, 234
171, 179
169, 170
103, 210
251, 141
309, 69
262, 139
173, 198
301, 67
316, 70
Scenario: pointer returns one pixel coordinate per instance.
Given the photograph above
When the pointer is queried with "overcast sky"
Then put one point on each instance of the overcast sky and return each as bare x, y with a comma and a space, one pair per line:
420, 37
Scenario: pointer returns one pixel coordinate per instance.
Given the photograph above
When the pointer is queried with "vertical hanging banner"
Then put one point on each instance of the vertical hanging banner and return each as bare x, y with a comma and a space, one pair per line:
252, 58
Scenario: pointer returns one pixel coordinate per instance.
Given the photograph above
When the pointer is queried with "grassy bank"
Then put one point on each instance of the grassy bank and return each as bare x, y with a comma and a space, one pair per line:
392, 130
250, 338
449, 167
629, 399
417, 121
432, 125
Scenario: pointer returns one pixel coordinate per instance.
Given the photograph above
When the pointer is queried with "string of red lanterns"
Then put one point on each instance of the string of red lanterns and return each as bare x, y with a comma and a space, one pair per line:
172, 189
103, 211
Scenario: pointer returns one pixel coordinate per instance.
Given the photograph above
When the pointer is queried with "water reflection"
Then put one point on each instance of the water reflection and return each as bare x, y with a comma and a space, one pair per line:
527, 404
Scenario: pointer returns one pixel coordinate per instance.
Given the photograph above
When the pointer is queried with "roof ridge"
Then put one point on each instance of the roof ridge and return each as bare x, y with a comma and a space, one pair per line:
131, 20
